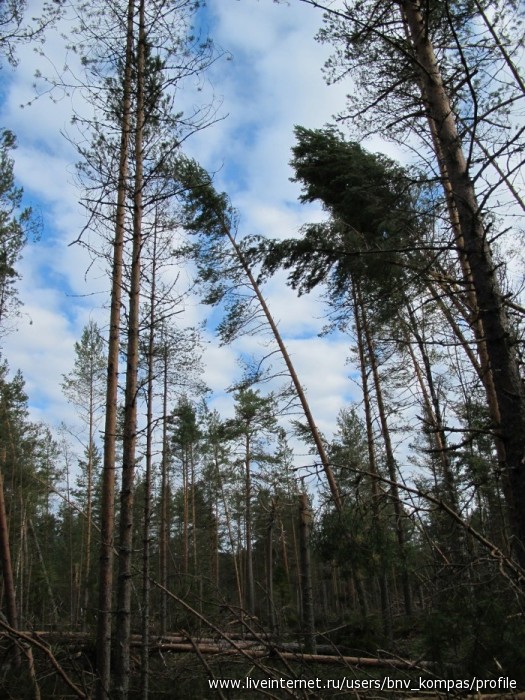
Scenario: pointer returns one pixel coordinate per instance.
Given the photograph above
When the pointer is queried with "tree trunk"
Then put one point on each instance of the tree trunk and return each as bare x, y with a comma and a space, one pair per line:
89, 508
250, 584
105, 585
43, 566
146, 586
164, 497
389, 453
316, 436
185, 515
231, 537
194, 514
433, 411
307, 599
7, 569
372, 465
125, 546
269, 568
502, 359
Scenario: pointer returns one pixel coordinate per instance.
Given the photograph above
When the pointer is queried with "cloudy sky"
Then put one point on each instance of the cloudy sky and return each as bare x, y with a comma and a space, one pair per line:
272, 82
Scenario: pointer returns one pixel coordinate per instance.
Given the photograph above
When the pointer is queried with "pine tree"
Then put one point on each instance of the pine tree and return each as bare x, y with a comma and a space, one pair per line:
84, 388
411, 59
254, 424
15, 223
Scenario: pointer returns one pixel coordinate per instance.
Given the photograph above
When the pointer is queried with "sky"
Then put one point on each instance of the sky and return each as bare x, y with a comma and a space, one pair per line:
271, 81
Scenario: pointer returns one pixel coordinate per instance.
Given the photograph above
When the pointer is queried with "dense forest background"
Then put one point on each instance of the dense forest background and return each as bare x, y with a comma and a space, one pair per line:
155, 543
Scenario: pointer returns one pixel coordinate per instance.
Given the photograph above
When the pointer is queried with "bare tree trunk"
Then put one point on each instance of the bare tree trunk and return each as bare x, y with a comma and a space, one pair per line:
89, 507
269, 567
284, 551
444, 481
215, 561
105, 590
250, 583
125, 546
146, 586
305, 524
361, 595
316, 436
372, 464
433, 410
193, 512
231, 537
164, 496
43, 566
297, 563
7, 569
390, 459
501, 354
185, 514
22, 565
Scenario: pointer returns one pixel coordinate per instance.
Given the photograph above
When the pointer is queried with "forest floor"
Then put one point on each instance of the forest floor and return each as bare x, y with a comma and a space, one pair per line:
177, 675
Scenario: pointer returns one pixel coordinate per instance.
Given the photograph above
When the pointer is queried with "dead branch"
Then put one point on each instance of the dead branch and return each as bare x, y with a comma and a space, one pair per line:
31, 640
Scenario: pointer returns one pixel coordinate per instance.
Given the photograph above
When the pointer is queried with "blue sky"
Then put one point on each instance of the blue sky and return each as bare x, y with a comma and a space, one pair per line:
272, 82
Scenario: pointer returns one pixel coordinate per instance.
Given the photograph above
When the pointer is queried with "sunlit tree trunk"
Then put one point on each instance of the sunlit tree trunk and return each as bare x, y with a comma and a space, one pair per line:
105, 584
502, 360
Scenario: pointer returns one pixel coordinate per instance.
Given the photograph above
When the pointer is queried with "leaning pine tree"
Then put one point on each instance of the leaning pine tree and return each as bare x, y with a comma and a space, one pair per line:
443, 70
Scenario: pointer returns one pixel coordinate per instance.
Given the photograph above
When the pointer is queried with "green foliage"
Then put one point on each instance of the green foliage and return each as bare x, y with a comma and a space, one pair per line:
206, 210
84, 386
220, 258
27, 447
185, 431
367, 192
473, 627
255, 419
30, 470
14, 225
375, 226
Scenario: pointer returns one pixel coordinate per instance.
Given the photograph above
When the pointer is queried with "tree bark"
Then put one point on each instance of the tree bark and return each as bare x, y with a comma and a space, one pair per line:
250, 583
390, 459
316, 436
372, 464
105, 585
146, 558
125, 546
164, 497
307, 599
269, 567
7, 568
503, 365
